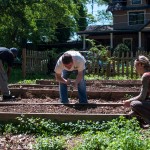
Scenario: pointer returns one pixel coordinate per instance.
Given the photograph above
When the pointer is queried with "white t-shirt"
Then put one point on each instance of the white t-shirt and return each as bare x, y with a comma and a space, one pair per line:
78, 63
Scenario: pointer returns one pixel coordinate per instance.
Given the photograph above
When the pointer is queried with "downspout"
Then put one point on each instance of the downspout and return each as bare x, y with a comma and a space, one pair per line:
111, 40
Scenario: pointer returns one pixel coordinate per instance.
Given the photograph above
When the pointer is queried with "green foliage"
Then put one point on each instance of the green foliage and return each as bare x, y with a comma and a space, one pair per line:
16, 77
98, 141
53, 143
120, 48
118, 134
36, 20
31, 125
9, 128
96, 77
105, 141
104, 16
48, 127
127, 96
100, 2
97, 52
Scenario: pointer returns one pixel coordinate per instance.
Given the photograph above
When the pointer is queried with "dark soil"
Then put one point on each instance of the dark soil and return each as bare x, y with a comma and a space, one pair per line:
91, 86
46, 107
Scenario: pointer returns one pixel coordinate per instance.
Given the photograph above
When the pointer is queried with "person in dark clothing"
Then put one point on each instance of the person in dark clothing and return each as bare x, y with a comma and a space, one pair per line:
7, 57
140, 104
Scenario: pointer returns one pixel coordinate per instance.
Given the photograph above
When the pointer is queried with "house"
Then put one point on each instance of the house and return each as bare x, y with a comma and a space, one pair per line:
131, 26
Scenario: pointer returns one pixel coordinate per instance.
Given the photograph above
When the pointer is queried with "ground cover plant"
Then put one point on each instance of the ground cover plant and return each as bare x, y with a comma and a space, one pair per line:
118, 134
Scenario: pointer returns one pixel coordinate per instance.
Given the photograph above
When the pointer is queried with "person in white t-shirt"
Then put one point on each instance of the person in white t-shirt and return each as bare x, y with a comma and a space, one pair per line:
71, 62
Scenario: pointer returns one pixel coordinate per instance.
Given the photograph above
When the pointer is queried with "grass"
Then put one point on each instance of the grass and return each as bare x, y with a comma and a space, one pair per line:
16, 77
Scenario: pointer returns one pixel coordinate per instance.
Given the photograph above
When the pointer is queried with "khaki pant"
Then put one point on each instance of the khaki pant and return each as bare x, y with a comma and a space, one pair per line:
3, 81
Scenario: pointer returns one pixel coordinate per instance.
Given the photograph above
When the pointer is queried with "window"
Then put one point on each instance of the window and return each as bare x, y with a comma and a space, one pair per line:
136, 1
136, 18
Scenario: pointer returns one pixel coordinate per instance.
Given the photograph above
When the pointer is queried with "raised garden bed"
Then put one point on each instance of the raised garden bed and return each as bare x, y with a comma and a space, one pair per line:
42, 100
106, 89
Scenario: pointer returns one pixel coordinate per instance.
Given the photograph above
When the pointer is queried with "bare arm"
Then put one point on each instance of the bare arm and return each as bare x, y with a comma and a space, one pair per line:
59, 78
143, 92
78, 78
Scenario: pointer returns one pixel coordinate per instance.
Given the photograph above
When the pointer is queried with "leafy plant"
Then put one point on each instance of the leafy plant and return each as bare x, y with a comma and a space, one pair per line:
53, 143
121, 48
117, 134
127, 96
120, 133
98, 51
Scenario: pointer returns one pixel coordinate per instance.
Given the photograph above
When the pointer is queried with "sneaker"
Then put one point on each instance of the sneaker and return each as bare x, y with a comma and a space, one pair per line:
9, 97
145, 126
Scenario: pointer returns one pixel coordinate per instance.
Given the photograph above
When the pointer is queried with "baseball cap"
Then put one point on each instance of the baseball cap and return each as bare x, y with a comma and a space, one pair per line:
14, 51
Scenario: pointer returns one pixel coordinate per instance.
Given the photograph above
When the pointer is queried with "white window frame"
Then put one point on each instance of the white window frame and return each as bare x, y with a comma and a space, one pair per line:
131, 39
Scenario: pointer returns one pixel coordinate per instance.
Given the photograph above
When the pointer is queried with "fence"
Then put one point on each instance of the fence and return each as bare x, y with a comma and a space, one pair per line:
114, 65
36, 62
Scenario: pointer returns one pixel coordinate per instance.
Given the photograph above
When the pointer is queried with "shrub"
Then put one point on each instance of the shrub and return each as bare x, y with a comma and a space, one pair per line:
121, 48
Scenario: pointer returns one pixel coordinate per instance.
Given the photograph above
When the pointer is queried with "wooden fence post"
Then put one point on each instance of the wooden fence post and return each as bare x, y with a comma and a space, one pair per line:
24, 62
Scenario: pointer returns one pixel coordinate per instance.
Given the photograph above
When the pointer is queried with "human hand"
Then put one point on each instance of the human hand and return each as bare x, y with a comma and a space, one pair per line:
73, 84
127, 103
68, 81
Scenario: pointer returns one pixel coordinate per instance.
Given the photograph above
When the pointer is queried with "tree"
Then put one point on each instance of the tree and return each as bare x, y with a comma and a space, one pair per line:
102, 15
24, 20
40, 20
63, 33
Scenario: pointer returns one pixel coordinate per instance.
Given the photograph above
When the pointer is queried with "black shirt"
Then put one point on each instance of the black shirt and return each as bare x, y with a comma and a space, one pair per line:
6, 56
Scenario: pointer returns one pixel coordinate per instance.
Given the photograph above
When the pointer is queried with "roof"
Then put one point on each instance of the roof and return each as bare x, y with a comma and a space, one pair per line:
99, 28
107, 29
103, 29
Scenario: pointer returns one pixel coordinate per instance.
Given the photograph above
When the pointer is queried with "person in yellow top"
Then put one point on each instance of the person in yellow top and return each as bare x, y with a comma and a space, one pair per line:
140, 104
71, 62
